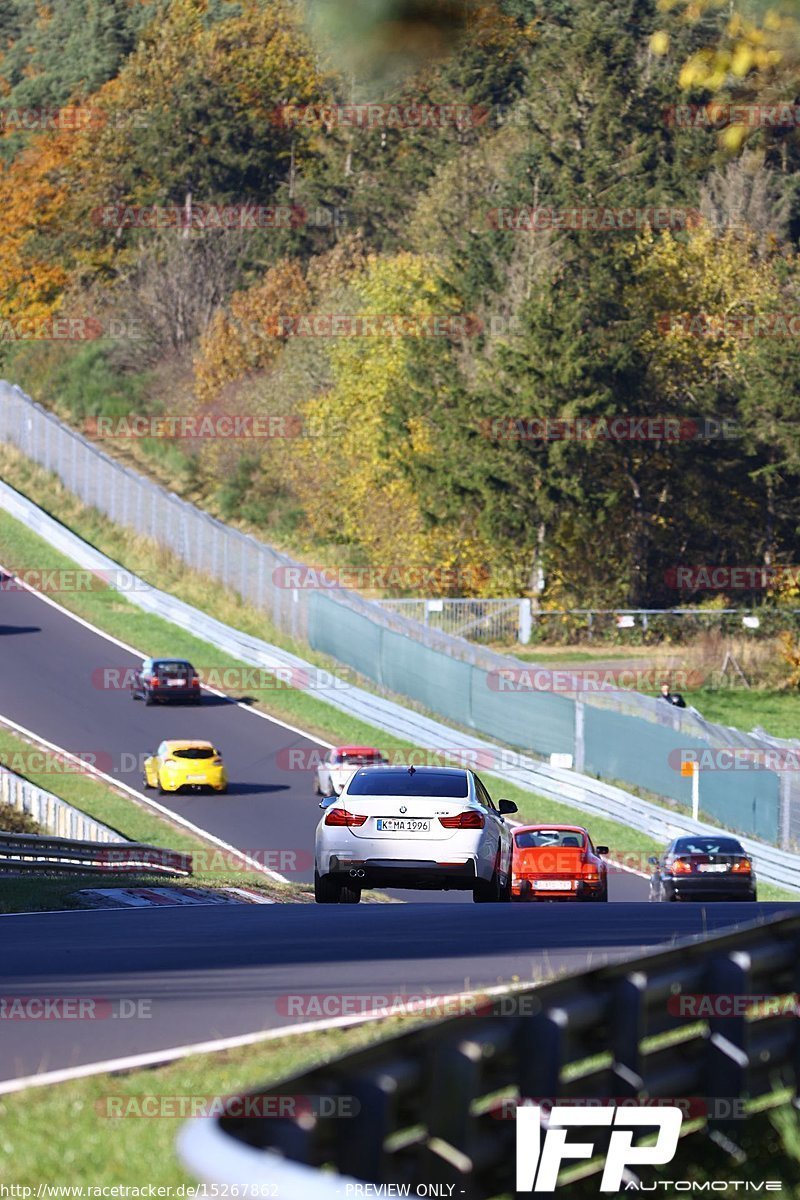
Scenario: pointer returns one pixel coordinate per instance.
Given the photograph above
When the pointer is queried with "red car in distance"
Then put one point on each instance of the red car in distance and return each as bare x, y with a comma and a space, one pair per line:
557, 862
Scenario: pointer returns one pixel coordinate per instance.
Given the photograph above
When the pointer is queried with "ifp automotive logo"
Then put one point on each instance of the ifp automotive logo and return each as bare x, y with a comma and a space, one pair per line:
539, 1160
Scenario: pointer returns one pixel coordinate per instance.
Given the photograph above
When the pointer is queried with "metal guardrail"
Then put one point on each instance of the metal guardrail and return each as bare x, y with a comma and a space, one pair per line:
23, 852
51, 812
436, 1105
570, 787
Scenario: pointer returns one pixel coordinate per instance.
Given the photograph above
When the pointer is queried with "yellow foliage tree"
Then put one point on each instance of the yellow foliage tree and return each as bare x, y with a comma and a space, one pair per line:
760, 51
348, 473
696, 293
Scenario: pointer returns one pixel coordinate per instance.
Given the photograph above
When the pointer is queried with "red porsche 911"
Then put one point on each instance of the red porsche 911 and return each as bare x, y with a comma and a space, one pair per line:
557, 862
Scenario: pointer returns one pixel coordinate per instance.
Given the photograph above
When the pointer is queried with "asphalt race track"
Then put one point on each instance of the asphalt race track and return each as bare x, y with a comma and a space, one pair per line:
210, 972
270, 810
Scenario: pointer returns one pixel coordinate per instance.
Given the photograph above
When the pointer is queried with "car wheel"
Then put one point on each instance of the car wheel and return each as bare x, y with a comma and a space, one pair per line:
147, 786
148, 699
327, 890
492, 892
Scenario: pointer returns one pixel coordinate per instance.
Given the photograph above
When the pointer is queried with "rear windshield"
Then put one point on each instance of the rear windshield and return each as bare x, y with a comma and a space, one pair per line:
708, 845
391, 781
194, 752
172, 668
547, 837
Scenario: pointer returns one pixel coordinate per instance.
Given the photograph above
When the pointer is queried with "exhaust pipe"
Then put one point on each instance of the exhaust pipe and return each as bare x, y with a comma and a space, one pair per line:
356, 874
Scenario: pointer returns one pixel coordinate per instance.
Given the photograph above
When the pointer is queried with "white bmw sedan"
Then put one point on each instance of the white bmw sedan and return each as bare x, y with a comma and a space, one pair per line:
413, 827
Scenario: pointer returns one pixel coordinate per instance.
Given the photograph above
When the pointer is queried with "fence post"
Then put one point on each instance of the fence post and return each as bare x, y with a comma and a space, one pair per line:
524, 635
786, 809
580, 747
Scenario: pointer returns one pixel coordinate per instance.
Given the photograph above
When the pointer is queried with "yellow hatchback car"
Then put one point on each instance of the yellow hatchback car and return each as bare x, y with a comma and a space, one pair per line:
177, 765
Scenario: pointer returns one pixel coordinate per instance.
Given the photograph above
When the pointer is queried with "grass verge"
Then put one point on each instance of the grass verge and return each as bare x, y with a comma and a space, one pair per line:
61, 1135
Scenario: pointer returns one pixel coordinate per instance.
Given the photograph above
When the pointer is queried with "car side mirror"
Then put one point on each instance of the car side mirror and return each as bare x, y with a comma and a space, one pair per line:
601, 849
653, 860
507, 806
326, 801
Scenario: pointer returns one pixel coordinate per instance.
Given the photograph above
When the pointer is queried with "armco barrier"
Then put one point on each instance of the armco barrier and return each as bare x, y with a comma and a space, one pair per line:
24, 852
571, 787
436, 1105
446, 674
51, 812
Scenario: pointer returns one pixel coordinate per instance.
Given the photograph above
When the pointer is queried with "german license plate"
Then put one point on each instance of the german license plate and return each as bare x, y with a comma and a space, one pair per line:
175, 683
403, 825
713, 868
196, 778
553, 885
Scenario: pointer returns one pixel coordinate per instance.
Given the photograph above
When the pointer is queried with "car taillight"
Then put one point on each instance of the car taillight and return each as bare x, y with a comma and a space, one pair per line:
340, 816
464, 820
591, 876
742, 866
196, 682
681, 866
154, 681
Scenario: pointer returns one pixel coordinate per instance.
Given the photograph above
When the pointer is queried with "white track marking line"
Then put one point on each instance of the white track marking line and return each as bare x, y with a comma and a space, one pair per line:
176, 818
109, 637
174, 1053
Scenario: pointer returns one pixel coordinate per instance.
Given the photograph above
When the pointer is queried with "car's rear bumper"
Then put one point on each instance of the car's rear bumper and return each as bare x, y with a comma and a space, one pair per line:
525, 890
404, 873
702, 889
180, 693
216, 784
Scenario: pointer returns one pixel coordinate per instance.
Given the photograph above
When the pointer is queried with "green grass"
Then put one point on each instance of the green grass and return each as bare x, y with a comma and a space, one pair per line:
587, 654
61, 1135
777, 712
